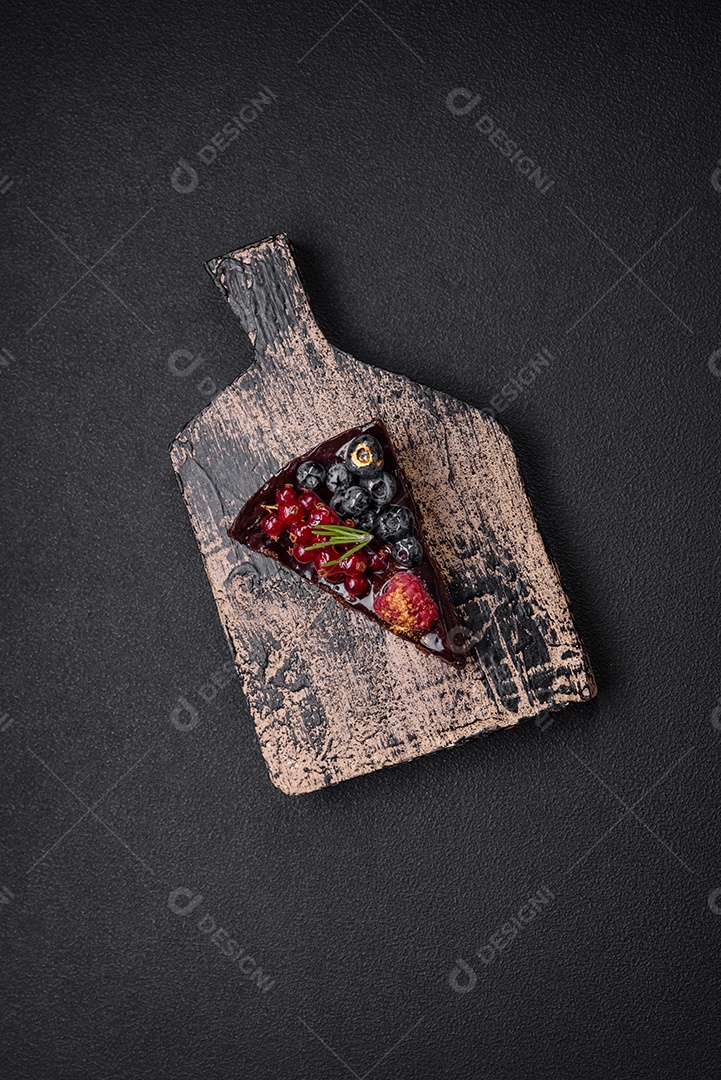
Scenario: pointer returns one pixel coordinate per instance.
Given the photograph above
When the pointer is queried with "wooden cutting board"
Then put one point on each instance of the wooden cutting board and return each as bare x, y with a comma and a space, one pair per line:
332, 694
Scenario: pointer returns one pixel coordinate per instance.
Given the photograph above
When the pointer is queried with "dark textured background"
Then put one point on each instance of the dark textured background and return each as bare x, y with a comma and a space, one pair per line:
427, 252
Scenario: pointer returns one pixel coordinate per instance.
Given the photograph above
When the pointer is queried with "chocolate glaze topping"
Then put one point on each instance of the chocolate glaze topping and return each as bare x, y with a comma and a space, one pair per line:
445, 638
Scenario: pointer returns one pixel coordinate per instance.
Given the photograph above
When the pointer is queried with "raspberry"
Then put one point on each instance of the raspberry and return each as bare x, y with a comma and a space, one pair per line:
404, 603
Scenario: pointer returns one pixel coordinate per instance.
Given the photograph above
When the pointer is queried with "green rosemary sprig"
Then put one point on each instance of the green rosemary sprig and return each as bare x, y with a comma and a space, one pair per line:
340, 534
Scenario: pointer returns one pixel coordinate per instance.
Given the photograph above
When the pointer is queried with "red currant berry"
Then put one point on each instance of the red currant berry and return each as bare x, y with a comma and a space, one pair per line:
308, 500
354, 565
303, 534
378, 562
301, 553
286, 496
290, 514
323, 515
328, 573
272, 526
357, 586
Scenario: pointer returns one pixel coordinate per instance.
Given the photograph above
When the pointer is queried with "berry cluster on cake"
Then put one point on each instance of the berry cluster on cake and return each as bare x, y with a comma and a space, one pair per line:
343, 517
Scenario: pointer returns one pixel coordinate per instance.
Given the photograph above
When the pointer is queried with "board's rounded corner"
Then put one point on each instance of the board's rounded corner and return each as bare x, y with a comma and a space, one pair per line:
175, 446
280, 783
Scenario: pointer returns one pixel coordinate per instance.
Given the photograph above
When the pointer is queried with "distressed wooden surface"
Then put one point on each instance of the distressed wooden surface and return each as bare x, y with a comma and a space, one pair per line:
332, 695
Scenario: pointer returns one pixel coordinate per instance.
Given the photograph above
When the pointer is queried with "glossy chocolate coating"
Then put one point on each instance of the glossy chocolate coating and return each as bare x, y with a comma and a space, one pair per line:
444, 639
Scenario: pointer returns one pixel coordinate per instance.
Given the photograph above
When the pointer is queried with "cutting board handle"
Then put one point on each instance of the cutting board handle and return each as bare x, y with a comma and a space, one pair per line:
262, 285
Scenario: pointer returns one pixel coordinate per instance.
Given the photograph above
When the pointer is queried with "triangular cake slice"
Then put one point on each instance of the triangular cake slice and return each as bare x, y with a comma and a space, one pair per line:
343, 516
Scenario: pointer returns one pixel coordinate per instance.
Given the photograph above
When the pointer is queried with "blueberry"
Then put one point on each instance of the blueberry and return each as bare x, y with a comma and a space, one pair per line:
394, 522
364, 456
366, 520
336, 502
380, 488
407, 552
338, 477
356, 500
310, 474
